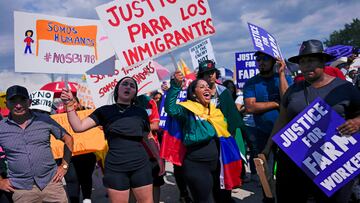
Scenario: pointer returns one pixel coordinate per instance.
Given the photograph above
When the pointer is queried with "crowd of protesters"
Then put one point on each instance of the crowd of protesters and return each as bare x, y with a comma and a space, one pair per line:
133, 169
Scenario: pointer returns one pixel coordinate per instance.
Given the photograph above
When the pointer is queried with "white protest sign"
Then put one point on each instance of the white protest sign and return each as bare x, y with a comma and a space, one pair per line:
83, 93
51, 44
140, 30
102, 86
41, 100
201, 51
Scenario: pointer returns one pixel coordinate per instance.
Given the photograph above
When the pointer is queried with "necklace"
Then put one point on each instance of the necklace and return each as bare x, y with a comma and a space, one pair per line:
122, 107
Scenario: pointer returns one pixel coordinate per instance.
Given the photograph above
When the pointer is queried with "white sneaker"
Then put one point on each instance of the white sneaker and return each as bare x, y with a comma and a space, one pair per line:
87, 201
236, 190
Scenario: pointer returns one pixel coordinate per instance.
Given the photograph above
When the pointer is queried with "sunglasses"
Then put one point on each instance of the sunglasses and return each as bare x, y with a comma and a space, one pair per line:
264, 58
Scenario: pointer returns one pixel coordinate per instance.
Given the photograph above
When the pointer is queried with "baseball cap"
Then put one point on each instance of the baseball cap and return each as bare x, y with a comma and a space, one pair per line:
205, 66
16, 90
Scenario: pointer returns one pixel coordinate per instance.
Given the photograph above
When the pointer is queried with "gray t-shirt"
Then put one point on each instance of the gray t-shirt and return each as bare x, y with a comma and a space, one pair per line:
341, 95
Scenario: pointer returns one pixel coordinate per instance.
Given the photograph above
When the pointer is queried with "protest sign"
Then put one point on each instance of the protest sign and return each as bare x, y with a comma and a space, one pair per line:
264, 41
89, 141
102, 86
84, 95
140, 30
51, 44
163, 114
245, 67
180, 98
201, 51
42, 100
313, 143
338, 51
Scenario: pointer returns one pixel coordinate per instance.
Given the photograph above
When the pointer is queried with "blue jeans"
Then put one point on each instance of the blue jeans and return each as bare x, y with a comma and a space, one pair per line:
27, 48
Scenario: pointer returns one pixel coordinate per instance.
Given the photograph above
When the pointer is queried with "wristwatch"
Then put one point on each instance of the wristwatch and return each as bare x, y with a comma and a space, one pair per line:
65, 166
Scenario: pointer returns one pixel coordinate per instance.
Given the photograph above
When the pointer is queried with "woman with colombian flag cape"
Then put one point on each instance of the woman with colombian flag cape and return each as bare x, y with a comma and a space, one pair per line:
204, 130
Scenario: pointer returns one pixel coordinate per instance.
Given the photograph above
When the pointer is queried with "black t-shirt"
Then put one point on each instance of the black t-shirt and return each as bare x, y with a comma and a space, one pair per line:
124, 129
206, 151
341, 95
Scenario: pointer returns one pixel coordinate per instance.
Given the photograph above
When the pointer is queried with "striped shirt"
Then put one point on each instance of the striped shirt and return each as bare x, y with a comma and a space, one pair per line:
28, 152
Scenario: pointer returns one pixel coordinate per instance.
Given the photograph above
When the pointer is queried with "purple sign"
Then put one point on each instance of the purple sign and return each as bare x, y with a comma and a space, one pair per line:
163, 114
264, 41
313, 143
339, 51
245, 67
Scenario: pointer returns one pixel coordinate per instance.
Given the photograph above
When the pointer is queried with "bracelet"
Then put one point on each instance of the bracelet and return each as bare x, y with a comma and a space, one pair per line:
72, 107
70, 110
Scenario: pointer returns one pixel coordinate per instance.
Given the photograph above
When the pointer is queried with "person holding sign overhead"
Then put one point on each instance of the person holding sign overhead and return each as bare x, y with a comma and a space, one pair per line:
204, 128
125, 125
292, 184
262, 95
222, 99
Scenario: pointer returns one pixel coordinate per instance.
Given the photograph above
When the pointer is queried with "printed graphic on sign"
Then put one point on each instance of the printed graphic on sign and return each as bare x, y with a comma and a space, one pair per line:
313, 143
245, 67
201, 51
102, 86
58, 44
140, 30
263, 41
42, 100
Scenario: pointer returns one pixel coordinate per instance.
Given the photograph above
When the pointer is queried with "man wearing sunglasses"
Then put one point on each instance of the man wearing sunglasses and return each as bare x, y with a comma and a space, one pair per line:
262, 95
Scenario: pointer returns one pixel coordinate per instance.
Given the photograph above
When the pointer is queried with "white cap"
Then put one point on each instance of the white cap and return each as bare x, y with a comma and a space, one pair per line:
339, 61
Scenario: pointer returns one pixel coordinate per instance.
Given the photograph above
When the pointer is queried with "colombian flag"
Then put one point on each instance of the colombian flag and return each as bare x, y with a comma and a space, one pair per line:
172, 148
230, 163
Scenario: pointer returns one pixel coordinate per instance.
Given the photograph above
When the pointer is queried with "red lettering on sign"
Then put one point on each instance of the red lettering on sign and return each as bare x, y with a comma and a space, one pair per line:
127, 13
108, 87
154, 26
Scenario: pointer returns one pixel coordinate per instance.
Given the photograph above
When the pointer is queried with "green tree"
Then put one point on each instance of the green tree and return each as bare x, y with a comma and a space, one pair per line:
350, 35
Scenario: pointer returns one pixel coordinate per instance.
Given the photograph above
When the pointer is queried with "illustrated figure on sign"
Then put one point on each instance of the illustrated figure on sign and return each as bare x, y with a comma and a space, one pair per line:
28, 40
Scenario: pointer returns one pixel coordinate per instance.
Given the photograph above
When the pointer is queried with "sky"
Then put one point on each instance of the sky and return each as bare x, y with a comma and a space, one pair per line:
290, 21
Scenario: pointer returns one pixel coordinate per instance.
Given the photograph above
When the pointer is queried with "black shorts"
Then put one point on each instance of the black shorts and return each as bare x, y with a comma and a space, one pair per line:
157, 180
127, 180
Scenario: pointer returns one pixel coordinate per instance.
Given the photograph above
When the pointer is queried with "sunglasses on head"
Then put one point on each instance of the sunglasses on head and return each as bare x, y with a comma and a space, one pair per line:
264, 58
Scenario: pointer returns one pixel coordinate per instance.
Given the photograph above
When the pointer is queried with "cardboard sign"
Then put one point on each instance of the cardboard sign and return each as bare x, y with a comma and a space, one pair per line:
140, 30
263, 41
313, 143
245, 67
51, 44
201, 51
266, 179
83, 93
42, 100
102, 86
89, 141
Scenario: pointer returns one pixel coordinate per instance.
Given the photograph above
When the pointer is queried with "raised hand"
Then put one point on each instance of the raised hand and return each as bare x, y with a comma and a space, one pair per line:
178, 77
66, 95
